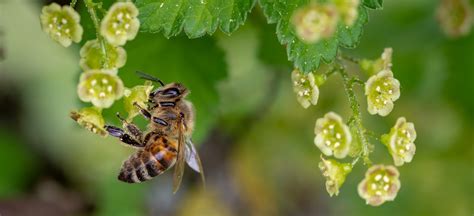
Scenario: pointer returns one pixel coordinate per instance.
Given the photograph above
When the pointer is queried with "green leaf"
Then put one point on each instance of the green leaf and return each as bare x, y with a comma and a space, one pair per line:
373, 4
198, 64
307, 57
196, 17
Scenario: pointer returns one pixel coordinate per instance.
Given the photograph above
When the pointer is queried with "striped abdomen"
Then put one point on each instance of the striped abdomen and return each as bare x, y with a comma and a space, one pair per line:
149, 162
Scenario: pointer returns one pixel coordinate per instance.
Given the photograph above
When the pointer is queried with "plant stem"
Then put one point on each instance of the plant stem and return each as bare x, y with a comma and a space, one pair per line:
95, 19
356, 117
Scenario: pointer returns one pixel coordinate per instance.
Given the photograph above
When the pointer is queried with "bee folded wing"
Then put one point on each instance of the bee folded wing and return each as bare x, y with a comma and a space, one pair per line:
192, 157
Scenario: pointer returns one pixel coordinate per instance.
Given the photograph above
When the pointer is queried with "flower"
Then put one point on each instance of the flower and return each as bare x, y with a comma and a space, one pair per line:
315, 22
380, 184
120, 23
91, 119
138, 94
455, 17
304, 85
382, 90
61, 23
382, 63
91, 56
335, 174
348, 10
101, 87
332, 135
400, 141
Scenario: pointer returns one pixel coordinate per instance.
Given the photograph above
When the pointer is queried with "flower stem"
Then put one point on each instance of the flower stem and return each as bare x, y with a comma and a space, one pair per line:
356, 117
95, 19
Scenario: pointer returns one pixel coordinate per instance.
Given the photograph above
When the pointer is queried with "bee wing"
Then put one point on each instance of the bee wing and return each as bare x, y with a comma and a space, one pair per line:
193, 160
179, 167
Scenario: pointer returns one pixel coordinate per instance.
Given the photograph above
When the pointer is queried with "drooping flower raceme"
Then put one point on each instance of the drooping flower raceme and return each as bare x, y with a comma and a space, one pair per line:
91, 56
120, 23
101, 87
91, 119
380, 184
61, 23
315, 22
382, 89
138, 94
400, 141
348, 10
335, 174
304, 85
333, 136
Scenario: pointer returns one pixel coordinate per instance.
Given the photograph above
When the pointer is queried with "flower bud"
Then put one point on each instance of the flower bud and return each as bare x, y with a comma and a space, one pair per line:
455, 17
91, 56
348, 10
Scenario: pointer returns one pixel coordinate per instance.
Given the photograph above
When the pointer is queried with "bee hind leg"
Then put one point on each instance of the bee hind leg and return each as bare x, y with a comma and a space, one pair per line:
123, 136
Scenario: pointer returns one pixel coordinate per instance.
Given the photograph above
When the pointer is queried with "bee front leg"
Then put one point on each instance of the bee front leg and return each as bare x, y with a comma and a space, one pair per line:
123, 136
143, 111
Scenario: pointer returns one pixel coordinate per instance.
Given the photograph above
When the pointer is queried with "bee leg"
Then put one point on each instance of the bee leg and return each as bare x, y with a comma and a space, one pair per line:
123, 136
131, 128
143, 111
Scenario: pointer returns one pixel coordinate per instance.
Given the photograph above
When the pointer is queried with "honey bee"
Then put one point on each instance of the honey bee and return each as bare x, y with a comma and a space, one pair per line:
167, 140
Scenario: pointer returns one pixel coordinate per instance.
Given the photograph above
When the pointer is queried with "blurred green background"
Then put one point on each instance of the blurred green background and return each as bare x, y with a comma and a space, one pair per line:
255, 140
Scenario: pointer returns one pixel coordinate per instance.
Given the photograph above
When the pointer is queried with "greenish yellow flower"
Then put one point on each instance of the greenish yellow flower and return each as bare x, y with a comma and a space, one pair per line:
333, 136
101, 87
400, 141
455, 17
91, 119
120, 23
383, 63
380, 184
382, 89
335, 174
315, 22
91, 56
61, 23
138, 94
348, 10
304, 85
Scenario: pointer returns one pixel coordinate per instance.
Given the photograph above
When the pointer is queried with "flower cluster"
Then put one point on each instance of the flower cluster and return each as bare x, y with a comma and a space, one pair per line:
400, 141
315, 22
304, 85
333, 137
380, 184
120, 23
62, 24
335, 174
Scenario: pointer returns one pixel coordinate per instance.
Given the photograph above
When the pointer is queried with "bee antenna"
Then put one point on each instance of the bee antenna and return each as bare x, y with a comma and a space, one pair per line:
149, 77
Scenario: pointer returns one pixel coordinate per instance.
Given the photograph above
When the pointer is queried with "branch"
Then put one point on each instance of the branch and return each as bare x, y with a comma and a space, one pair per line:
95, 19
